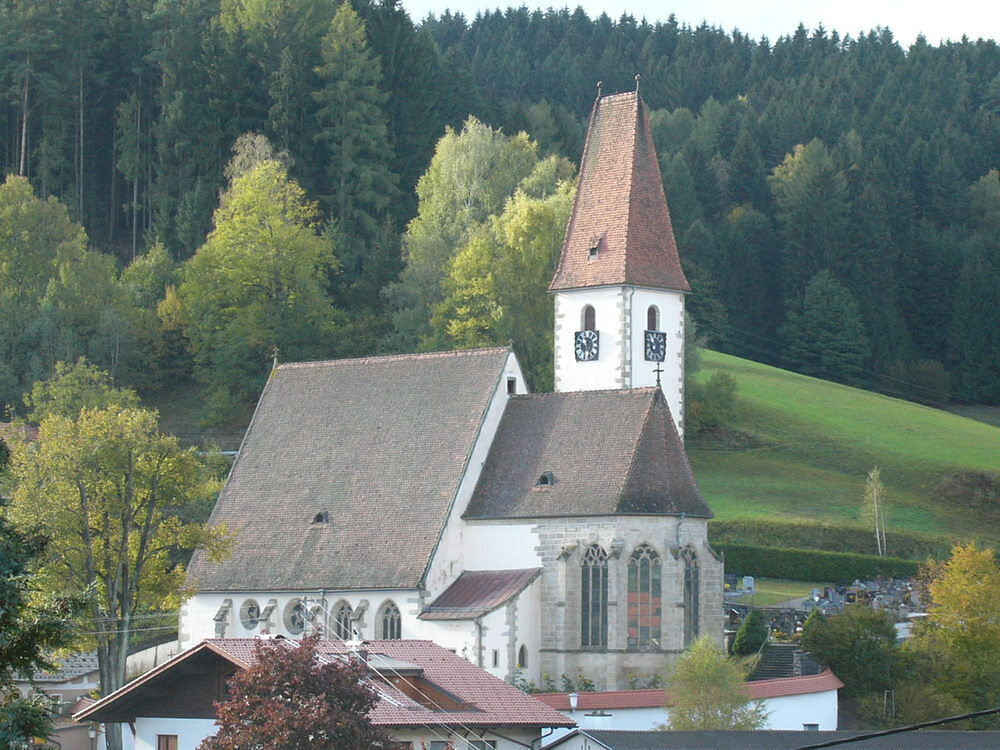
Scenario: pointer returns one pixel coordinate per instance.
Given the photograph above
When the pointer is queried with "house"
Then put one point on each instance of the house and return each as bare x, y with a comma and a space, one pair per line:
73, 678
792, 703
430, 496
600, 739
427, 697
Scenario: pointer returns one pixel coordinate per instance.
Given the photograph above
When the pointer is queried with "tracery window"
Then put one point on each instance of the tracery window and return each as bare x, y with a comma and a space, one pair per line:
342, 622
644, 597
389, 623
690, 595
594, 598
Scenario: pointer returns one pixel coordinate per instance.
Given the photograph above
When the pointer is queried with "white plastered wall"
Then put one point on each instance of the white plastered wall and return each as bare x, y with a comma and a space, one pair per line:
671, 314
189, 732
620, 319
608, 370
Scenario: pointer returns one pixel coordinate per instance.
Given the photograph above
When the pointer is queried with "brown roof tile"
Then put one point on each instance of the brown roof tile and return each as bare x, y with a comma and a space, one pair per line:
478, 592
604, 453
379, 444
620, 206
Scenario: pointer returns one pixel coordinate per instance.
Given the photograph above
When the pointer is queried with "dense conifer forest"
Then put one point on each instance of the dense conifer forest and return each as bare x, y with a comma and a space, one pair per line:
193, 187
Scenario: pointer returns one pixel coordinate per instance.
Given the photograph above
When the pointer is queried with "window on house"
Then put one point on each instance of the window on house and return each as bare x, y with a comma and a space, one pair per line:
594, 598
389, 624
166, 742
545, 479
644, 597
511, 386
482, 744
295, 617
690, 596
653, 318
589, 319
342, 628
522, 657
496, 658
250, 614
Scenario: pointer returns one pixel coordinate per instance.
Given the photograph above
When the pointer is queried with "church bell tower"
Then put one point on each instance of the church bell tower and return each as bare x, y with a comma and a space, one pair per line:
619, 288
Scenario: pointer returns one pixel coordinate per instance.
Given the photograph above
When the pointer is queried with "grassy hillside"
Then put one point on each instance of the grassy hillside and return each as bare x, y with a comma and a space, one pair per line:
811, 444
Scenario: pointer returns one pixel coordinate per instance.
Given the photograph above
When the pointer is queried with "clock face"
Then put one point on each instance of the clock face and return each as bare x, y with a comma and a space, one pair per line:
586, 346
656, 346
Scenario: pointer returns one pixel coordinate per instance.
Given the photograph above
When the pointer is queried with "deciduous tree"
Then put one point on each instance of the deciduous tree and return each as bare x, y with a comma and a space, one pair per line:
707, 691
108, 489
292, 698
29, 629
257, 285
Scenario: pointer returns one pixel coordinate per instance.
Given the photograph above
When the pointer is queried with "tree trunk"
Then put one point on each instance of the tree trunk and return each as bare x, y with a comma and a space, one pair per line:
22, 169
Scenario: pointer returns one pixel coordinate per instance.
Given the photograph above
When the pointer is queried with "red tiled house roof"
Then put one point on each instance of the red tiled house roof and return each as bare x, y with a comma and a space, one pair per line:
187, 685
655, 698
620, 207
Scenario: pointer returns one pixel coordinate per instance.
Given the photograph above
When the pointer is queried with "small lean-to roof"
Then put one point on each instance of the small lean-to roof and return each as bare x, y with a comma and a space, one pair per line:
620, 207
473, 697
601, 452
478, 592
348, 471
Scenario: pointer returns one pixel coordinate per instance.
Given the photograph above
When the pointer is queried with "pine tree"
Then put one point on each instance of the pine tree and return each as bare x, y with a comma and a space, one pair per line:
825, 336
353, 126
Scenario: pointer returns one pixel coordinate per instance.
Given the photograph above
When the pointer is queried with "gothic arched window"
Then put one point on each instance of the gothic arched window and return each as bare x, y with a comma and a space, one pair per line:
594, 598
589, 319
342, 622
652, 318
389, 626
522, 657
690, 595
644, 597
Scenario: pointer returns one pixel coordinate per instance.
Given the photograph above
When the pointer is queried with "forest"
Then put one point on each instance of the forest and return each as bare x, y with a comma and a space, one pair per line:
194, 188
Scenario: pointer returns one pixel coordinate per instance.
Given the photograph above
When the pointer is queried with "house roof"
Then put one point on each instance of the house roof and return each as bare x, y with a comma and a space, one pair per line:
774, 739
620, 207
334, 451
602, 453
476, 698
478, 592
68, 668
655, 698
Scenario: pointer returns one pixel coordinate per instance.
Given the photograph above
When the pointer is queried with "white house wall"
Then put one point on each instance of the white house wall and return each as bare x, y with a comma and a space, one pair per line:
788, 712
189, 732
792, 711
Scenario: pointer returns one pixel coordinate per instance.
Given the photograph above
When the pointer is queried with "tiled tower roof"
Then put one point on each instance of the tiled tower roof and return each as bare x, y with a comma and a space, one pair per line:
620, 231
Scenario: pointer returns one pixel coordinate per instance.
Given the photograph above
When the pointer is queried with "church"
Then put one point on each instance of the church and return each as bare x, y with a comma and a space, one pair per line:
430, 496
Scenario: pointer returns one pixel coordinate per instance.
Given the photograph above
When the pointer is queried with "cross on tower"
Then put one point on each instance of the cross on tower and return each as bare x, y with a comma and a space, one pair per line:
657, 370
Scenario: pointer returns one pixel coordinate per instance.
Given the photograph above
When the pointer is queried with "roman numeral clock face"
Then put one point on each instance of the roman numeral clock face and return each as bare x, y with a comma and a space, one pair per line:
656, 346
586, 346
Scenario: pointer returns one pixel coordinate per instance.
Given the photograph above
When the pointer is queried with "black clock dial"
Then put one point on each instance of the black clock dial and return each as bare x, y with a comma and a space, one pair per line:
586, 346
656, 346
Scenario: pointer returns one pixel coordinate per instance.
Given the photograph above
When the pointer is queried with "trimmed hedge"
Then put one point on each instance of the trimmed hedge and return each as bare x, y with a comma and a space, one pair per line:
810, 565
825, 536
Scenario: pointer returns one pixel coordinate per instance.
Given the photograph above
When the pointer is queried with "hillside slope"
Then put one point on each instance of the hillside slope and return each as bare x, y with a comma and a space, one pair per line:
812, 444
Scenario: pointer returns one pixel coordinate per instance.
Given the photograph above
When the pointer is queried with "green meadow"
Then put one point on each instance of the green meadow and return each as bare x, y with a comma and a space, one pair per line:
807, 445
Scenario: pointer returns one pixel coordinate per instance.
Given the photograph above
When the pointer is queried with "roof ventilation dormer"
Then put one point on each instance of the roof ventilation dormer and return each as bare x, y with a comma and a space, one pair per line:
321, 518
546, 479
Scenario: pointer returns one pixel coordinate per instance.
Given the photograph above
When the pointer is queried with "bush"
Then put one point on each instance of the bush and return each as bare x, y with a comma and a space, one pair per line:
752, 634
811, 565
